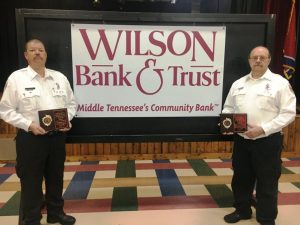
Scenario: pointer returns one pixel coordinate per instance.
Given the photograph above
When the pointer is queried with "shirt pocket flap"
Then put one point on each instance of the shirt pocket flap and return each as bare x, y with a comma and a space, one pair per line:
239, 92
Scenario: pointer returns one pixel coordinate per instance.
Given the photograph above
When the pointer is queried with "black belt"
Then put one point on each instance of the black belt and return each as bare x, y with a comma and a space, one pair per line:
271, 135
49, 133
53, 132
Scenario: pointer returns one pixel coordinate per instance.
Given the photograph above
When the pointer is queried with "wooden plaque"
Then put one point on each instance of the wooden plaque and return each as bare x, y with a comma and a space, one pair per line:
233, 122
54, 119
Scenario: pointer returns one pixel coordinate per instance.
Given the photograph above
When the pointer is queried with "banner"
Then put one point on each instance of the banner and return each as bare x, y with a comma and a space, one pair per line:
289, 50
147, 71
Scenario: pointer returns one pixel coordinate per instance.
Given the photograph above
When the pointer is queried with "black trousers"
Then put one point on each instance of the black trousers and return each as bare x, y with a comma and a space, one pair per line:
40, 158
257, 163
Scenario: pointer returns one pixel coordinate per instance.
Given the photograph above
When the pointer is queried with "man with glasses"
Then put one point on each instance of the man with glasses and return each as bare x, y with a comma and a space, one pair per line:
270, 104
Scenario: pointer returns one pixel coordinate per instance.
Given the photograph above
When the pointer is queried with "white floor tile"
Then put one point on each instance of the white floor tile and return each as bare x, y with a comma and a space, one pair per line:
185, 172
223, 171
145, 173
100, 193
288, 188
148, 191
195, 190
105, 174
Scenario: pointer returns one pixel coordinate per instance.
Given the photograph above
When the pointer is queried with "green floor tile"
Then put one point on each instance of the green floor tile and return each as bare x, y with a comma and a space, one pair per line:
125, 198
286, 171
221, 194
125, 168
201, 168
297, 184
11, 208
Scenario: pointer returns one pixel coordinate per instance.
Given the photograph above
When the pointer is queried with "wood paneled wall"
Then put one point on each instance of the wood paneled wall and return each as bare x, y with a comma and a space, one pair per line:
163, 150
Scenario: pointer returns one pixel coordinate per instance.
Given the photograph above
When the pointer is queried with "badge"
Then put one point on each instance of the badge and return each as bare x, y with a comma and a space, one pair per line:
47, 120
227, 122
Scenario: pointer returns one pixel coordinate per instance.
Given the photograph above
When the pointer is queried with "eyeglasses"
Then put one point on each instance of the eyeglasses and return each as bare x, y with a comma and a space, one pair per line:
261, 58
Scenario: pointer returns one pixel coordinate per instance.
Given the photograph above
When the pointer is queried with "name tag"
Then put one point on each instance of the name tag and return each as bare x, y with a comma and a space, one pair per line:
58, 92
30, 92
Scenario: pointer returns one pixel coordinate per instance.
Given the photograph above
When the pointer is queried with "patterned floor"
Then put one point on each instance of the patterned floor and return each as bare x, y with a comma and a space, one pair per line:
157, 191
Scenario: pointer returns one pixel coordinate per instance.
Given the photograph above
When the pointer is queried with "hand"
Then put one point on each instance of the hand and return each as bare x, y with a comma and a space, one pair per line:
66, 129
226, 133
254, 131
36, 129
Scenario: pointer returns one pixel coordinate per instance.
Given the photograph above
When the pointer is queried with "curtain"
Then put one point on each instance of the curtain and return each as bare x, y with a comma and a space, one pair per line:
247, 6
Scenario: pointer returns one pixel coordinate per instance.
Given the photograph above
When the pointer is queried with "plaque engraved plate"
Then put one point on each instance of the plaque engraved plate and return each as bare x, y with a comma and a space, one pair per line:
54, 119
233, 122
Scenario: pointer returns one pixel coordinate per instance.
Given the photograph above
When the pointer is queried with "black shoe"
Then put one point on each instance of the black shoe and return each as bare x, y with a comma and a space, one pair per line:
267, 223
23, 223
62, 218
236, 217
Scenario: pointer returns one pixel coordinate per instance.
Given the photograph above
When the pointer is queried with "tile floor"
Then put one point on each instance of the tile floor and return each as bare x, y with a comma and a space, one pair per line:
164, 192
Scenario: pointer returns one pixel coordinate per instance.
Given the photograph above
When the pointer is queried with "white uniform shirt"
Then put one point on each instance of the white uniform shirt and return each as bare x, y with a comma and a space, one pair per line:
26, 93
268, 101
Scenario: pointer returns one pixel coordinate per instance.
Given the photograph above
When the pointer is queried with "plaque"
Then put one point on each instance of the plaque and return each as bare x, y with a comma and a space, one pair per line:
54, 119
233, 122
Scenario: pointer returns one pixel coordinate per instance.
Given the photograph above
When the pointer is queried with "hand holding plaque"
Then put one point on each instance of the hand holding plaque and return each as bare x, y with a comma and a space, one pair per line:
233, 123
54, 119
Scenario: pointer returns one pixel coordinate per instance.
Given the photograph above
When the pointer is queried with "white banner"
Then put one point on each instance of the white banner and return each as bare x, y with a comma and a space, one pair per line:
147, 71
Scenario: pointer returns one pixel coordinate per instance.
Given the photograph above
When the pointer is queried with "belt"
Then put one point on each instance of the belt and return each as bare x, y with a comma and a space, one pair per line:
49, 133
270, 136
53, 132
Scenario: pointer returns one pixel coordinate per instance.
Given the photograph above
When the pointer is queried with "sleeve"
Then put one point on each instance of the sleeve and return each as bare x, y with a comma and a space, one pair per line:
9, 106
287, 110
70, 103
229, 102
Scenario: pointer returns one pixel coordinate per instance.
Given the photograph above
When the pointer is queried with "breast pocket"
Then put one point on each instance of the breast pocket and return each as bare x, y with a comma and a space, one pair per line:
60, 97
29, 100
266, 101
239, 97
